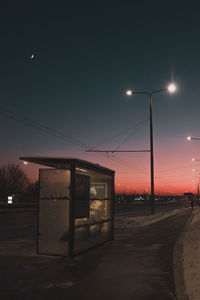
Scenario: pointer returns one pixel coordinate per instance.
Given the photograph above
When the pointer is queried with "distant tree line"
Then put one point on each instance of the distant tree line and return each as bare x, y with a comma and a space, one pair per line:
14, 182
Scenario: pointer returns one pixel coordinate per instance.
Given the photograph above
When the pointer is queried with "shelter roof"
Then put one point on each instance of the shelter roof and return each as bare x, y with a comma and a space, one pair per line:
65, 163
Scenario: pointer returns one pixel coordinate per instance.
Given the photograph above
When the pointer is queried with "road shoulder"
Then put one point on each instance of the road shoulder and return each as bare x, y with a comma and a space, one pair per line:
187, 259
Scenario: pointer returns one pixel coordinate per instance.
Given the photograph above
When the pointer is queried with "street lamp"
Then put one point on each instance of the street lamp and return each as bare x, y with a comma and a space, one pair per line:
189, 138
195, 159
171, 89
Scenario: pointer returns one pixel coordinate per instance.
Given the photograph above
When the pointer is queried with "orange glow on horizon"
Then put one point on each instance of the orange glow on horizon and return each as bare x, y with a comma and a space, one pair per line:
172, 168
132, 184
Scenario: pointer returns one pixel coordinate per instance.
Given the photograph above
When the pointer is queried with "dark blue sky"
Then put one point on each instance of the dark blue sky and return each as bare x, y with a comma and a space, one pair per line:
86, 54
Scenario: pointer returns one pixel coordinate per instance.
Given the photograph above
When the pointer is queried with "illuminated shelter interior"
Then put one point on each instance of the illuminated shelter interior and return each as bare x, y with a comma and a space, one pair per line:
76, 205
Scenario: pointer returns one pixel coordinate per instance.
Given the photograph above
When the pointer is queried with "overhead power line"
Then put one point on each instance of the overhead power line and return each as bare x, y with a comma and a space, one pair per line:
139, 125
43, 128
121, 133
20, 118
94, 149
114, 151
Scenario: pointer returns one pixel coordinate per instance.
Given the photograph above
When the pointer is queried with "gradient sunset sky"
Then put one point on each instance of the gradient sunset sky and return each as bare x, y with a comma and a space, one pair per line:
86, 55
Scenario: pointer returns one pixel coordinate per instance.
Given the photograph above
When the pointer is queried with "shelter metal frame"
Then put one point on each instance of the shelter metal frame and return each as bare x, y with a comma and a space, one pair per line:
72, 164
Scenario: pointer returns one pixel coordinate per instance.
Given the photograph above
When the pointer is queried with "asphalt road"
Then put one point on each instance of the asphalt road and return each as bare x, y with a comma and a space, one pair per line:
137, 265
17, 224
22, 224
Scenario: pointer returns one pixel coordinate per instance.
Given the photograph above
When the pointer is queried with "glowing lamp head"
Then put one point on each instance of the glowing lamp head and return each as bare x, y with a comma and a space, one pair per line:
25, 163
193, 159
171, 88
189, 138
129, 93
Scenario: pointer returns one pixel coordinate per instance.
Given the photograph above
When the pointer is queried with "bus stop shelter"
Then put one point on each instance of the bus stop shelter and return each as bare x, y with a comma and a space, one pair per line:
76, 205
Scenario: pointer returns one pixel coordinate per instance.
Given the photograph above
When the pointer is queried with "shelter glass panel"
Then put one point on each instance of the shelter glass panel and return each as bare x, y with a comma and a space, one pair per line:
54, 212
95, 228
89, 236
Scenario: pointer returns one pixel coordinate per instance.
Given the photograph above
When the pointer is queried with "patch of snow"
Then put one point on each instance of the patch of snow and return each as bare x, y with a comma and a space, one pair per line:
65, 285
48, 286
129, 222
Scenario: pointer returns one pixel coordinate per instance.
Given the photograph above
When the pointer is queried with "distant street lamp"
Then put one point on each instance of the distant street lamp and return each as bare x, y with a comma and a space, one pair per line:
189, 138
195, 159
171, 89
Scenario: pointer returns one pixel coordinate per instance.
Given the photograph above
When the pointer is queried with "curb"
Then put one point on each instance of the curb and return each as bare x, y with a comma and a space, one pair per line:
179, 281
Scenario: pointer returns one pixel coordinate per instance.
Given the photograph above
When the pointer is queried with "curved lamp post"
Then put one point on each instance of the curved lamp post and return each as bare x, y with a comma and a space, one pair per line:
171, 89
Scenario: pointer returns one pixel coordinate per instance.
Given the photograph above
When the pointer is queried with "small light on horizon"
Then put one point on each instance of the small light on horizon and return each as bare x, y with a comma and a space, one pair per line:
189, 138
129, 93
25, 163
10, 199
193, 159
171, 88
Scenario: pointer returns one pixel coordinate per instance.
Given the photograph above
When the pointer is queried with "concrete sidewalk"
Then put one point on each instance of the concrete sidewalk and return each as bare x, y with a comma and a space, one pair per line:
137, 265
